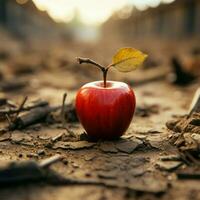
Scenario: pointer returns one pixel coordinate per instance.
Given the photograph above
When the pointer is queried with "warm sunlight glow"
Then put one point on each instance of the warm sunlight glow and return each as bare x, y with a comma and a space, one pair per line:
90, 11
144, 4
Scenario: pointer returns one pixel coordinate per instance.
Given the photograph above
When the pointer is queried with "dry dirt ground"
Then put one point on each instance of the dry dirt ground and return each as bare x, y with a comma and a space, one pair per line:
133, 167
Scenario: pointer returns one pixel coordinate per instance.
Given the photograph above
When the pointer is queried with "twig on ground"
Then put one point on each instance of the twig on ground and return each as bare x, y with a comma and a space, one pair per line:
63, 111
36, 115
27, 108
21, 107
8, 119
64, 124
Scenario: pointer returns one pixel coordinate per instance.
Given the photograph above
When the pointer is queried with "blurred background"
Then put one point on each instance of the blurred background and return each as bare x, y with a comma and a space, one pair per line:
40, 40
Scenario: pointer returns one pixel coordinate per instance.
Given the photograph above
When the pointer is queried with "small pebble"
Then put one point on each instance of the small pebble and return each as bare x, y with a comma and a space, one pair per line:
20, 155
41, 152
65, 161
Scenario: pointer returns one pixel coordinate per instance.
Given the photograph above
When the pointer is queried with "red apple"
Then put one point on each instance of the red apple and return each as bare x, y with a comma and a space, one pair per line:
105, 112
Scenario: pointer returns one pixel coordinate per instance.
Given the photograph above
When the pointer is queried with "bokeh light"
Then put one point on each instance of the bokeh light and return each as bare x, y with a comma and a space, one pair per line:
91, 12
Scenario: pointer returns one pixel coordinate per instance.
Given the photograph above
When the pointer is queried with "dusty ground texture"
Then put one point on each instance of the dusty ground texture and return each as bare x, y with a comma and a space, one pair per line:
143, 164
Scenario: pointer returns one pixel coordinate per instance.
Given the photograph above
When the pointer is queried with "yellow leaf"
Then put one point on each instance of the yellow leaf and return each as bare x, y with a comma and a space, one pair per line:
128, 59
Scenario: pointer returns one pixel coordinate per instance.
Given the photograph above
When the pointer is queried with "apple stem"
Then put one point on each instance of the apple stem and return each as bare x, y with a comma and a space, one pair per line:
105, 76
103, 69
